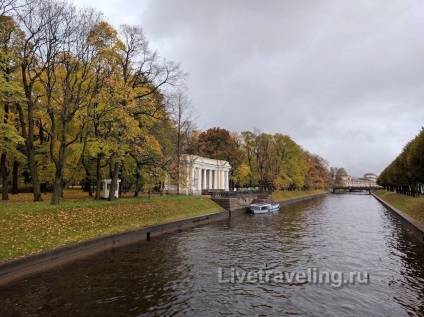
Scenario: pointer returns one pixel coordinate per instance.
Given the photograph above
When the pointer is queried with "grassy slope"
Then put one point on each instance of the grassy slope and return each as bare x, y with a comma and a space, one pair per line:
412, 206
27, 227
286, 195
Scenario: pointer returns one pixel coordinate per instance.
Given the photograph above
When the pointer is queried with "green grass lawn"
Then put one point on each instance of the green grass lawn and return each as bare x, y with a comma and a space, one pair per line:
27, 227
412, 206
286, 195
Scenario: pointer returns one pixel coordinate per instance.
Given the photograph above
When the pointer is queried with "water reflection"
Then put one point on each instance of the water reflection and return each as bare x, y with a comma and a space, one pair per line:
177, 275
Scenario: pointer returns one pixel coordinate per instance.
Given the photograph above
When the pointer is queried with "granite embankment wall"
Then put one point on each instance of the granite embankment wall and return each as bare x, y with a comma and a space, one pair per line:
295, 200
241, 201
415, 227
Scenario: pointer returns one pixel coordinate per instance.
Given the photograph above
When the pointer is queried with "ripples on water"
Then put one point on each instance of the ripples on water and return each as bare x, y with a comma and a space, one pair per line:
177, 275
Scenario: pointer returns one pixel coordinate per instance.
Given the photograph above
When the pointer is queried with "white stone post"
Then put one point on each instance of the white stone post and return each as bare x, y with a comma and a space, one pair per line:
106, 188
204, 179
215, 181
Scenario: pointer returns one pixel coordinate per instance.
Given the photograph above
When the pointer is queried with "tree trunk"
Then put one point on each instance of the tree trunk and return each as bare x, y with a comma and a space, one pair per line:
98, 177
4, 172
4, 176
28, 135
58, 180
33, 172
114, 182
178, 161
57, 190
137, 184
90, 191
88, 177
58, 185
15, 177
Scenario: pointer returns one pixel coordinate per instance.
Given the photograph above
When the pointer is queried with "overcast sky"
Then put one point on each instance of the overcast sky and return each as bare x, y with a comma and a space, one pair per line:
344, 79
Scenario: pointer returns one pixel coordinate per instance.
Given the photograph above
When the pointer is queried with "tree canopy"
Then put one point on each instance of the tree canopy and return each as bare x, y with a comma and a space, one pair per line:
81, 100
271, 162
406, 172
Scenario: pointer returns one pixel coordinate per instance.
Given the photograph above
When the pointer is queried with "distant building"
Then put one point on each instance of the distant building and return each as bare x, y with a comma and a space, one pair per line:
199, 174
368, 180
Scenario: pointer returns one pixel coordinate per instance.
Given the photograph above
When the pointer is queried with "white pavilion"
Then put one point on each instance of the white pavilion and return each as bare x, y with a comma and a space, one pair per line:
199, 173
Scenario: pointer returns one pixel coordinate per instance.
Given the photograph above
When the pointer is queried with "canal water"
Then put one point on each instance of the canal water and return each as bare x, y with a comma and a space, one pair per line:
336, 255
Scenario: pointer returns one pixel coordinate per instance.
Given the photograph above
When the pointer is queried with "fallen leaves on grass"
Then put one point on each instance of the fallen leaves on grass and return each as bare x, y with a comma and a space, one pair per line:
32, 227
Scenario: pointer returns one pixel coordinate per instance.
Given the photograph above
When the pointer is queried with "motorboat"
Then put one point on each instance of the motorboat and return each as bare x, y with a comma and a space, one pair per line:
262, 208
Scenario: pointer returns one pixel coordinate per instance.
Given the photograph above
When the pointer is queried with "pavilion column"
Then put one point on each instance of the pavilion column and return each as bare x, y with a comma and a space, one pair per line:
204, 179
210, 179
221, 179
227, 187
199, 178
192, 180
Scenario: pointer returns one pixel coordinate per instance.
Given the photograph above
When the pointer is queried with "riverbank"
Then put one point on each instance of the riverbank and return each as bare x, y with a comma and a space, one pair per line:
17, 268
412, 206
29, 228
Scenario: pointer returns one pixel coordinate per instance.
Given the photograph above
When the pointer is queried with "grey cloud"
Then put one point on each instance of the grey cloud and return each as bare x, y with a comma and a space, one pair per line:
343, 78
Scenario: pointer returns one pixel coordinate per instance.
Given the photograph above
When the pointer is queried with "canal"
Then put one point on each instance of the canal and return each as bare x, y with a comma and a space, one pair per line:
336, 255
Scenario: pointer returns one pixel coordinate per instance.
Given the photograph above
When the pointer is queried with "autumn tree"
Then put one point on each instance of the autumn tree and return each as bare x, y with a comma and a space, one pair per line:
292, 166
403, 173
157, 155
337, 174
66, 83
33, 19
90, 96
318, 175
7, 7
276, 162
220, 144
182, 115
248, 147
11, 38
415, 158
107, 91
266, 161
144, 74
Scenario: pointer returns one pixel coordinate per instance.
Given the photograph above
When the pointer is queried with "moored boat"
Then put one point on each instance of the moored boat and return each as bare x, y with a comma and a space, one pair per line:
262, 208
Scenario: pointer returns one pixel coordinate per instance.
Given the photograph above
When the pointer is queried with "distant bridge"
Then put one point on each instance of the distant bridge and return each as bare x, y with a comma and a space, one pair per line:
351, 189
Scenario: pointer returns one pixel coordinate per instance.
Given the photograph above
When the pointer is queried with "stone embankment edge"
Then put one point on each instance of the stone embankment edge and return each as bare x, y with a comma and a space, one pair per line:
295, 200
13, 270
410, 224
